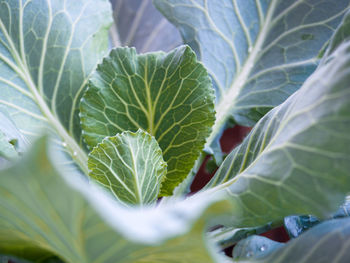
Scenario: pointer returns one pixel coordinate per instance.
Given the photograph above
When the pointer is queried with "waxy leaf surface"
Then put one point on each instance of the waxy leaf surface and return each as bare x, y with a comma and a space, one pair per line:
169, 95
326, 242
45, 213
258, 52
296, 159
48, 49
130, 165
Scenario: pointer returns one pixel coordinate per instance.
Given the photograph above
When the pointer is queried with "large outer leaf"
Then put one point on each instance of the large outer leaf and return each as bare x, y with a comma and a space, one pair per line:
229, 236
130, 165
324, 243
296, 225
10, 135
48, 49
12, 142
139, 24
258, 52
169, 95
7, 150
297, 158
43, 213
254, 247
10, 259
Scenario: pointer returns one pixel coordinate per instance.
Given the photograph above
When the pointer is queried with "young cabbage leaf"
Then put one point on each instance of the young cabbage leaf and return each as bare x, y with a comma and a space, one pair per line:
257, 52
130, 165
296, 159
169, 95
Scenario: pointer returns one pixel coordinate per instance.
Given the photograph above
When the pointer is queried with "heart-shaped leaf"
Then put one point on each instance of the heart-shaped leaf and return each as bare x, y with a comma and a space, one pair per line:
169, 95
130, 165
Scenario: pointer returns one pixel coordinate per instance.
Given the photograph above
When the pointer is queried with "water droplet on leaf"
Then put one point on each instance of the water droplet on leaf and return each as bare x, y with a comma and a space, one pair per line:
249, 254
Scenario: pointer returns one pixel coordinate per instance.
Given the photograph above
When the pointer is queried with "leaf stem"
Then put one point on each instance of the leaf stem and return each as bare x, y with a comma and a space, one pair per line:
228, 102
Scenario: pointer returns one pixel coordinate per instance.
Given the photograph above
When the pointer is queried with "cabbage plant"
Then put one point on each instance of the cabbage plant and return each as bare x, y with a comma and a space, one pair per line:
108, 110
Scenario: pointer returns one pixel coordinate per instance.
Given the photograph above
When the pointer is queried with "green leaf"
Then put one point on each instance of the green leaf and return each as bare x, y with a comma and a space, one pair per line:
257, 52
254, 247
326, 242
344, 210
296, 160
296, 225
229, 236
43, 213
139, 24
48, 49
130, 165
169, 95
10, 259
12, 142
7, 150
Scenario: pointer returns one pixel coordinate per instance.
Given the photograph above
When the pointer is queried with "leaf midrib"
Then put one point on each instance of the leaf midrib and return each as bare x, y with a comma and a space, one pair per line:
21, 69
227, 103
267, 147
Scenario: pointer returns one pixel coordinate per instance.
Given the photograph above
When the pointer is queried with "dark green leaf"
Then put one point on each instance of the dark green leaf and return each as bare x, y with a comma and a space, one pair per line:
168, 95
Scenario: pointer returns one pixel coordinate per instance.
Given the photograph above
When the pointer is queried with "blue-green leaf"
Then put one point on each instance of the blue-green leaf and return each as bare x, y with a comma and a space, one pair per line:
254, 247
139, 24
48, 49
12, 142
296, 225
296, 159
324, 243
229, 236
258, 52
44, 213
